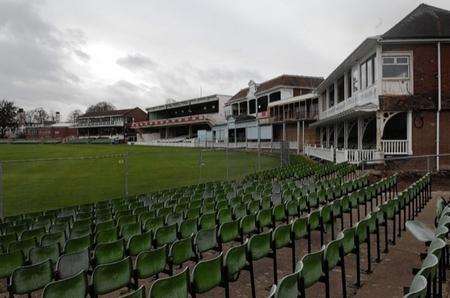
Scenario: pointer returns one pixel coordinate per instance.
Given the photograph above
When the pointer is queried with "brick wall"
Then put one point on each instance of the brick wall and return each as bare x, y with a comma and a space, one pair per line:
425, 78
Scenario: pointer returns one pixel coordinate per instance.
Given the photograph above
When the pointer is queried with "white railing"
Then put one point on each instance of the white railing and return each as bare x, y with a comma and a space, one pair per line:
395, 147
343, 155
361, 98
319, 152
360, 155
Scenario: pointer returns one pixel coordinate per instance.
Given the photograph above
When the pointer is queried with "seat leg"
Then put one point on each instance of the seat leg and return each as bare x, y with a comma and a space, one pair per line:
252, 279
275, 268
343, 278
358, 266
378, 259
327, 282
369, 257
293, 247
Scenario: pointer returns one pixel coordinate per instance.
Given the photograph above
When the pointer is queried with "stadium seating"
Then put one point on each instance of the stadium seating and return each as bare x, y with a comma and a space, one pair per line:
165, 229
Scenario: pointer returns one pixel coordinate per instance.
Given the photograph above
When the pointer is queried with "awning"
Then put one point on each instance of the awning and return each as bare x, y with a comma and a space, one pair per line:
343, 116
293, 99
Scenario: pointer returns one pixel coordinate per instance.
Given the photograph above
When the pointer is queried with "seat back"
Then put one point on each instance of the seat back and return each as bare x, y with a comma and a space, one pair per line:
77, 244
259, 246
181, 251
287, 287
102, 283
281, 236
228, 231
207, 274
70, 264
74, 286
41, 253
205, 240
11, 261
235, 260
139, 243
165, 235
109, 252
418, 288
312, 269
174, 286
27, 279
151, 262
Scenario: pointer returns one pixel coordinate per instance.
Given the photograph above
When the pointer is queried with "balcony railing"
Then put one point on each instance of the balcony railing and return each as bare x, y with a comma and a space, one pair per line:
99, 124
343, 155
294, 116
360, 98
395, 147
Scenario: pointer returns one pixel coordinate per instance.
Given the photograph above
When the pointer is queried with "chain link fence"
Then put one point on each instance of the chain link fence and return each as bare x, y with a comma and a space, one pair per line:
40, 184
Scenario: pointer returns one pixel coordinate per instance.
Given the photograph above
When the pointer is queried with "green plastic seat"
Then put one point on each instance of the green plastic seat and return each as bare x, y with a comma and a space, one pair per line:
77, 244
235, 260
207, 275
247, 225
74, 286
5, 240
41, 253
139, 293
228, 232
139, 243
311, 269
259, 246
206, 240
281, 237
27, 279
181, 251
173, 286
150, 263
279, 214
418, 288
193, 213
174, 218
224, 216
52, 238
82, 224
9, 262
129, 230
126, 219
264, 219
333, 256
105, 236
165, 235
105, 225
107, 278
23, 245
109, 252
80, 232
188, 227
35, 233
286, 288
207, 221
70, 264
239, 211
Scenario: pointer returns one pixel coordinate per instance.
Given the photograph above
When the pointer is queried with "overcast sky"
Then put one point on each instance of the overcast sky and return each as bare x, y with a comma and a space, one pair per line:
68, 54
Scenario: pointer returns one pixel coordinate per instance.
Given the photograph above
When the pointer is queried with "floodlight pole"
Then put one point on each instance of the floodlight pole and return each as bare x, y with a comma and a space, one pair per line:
1, 191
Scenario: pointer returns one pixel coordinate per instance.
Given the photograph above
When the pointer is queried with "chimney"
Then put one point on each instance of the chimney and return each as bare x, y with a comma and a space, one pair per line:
57, 117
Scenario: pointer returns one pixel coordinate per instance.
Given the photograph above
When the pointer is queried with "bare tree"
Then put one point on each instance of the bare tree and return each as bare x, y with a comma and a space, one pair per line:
38, 115
73, 116
8, 119
102, 106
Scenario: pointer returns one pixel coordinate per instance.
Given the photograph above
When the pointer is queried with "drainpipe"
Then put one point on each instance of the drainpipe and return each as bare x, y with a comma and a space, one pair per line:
438, 108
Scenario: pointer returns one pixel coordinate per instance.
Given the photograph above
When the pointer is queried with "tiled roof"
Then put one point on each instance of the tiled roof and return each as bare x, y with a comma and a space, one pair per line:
108, 113
283, 80
423, 22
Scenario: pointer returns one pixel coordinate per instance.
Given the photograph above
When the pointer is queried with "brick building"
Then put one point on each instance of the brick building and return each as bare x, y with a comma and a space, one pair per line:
248, 115
114, 124
391, 95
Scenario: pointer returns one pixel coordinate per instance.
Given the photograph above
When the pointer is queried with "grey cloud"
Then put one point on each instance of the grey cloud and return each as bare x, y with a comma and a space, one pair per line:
82, 55
136, 62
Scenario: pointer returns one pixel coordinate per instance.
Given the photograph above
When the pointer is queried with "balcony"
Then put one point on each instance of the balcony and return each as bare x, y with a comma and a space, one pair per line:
88, 124
361, 99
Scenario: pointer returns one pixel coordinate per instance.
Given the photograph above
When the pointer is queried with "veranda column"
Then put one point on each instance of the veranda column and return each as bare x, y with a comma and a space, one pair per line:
360, 133
379, 119
335, 141
409, 130
345, 134
327, 136
284, 131
298, 137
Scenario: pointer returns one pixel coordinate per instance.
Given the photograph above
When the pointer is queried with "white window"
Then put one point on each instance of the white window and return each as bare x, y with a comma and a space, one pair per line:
396, 67
363, 75
355, 80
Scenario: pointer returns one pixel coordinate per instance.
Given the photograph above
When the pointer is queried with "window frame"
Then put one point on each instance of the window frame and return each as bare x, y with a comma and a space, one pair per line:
395, 56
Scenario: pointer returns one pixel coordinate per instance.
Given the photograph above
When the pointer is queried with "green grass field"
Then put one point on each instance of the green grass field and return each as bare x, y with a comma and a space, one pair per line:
64, 179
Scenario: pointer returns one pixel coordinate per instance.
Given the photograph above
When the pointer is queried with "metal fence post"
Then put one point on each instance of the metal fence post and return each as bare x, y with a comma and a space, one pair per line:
126, 174
1, 191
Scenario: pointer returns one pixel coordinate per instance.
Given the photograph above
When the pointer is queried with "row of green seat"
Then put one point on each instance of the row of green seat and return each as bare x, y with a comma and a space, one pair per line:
316, 267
